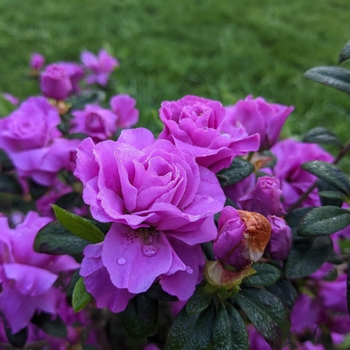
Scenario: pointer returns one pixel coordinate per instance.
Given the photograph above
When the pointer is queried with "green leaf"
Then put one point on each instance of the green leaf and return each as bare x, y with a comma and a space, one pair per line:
325, 187
330, 174
51, 326
321, 135
208, 250
307, 255
81, 297
69, 292
8, 183
267, 314
331, 194
293, 219
265, 276
323, 221
229, 331
199, 301
238, 170
345, 53
285, 291
191, 332
70, 200
140, 317
156, 292
36, 190
86, 97
77, 136
55, 239
79, 226
335, 77
18, 339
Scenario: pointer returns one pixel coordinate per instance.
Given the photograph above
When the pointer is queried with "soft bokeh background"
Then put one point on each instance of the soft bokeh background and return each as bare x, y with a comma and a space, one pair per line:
219, 49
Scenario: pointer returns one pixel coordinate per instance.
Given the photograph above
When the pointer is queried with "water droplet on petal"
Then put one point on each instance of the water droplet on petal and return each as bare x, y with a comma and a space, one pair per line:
121, 261
149, 250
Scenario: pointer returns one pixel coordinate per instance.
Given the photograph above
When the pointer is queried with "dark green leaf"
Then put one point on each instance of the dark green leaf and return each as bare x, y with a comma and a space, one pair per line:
199, 301
229, 331
330, 174
86, 97
56, 240
345, 53
294, 217
157, 293
81, 297
69, 292
5, 161
140, 317
191, 332
36, 190
307, 255
51, 326
321, 135
348, 287
335, 77
208, 250
323, 221
238, 170
267, 314
79, 226
284, 291
325, 187
331, 195
8, 183
78, 136
266, 275
334, 258
18, 339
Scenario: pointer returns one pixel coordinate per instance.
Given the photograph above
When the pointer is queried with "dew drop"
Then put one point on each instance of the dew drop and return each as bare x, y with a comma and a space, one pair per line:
121, 261
149, 250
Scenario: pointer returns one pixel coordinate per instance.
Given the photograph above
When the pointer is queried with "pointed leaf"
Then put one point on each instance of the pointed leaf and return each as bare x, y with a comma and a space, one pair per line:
156, 292
78, 225
330, 174
285, 291
267, 314
307, 255
18, 339
51, 326
325, 187
331, 195
81, 297
86, 97
140, 317
335, 77
266, 275
69, 292
55, 239
293, 219
345, 53
238, 170
321, 135
323, 221
199, 301
229, 331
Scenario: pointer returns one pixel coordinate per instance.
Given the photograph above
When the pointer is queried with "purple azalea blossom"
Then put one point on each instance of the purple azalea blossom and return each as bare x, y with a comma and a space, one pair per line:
55, 82
100, 66
30, 137
75, 74
27, 277
124, 107
156, 198
194, 124
259, 116
97, 122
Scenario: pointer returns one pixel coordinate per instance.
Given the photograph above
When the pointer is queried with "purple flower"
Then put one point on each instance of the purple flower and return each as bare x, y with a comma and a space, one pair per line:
55, 82
37, 61
75, 73
294, 180
30, 137
12, 99
101, 66
259, 116
124, 107
95, 121
27, 278
281, 238
242, 237
264, 197
193, 124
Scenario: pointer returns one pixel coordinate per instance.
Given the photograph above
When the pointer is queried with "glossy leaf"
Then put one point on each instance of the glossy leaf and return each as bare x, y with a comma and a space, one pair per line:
69, 292
335, 77
335, 199
293, 219
51, 326
330, 174
284, 291
267, 314
307, 255
345, 53
86, 97
229, 331
140, 317
199, 301
79, 226
321, 135
81, 297
238, 170
323, 221
266, 275
55, 239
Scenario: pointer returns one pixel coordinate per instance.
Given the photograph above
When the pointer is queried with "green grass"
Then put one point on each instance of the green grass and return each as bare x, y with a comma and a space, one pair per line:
219, 49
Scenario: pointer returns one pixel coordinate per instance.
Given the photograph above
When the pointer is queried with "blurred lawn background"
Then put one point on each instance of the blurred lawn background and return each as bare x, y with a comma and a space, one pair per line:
219, 49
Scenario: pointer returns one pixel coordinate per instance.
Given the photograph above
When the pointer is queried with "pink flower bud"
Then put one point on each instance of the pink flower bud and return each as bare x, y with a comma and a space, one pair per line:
55, 82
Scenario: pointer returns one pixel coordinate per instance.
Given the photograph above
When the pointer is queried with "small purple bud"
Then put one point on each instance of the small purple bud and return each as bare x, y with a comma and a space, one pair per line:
37, 61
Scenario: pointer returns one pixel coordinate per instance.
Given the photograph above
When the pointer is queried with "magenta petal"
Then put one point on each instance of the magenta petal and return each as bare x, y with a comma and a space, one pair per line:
131, 263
